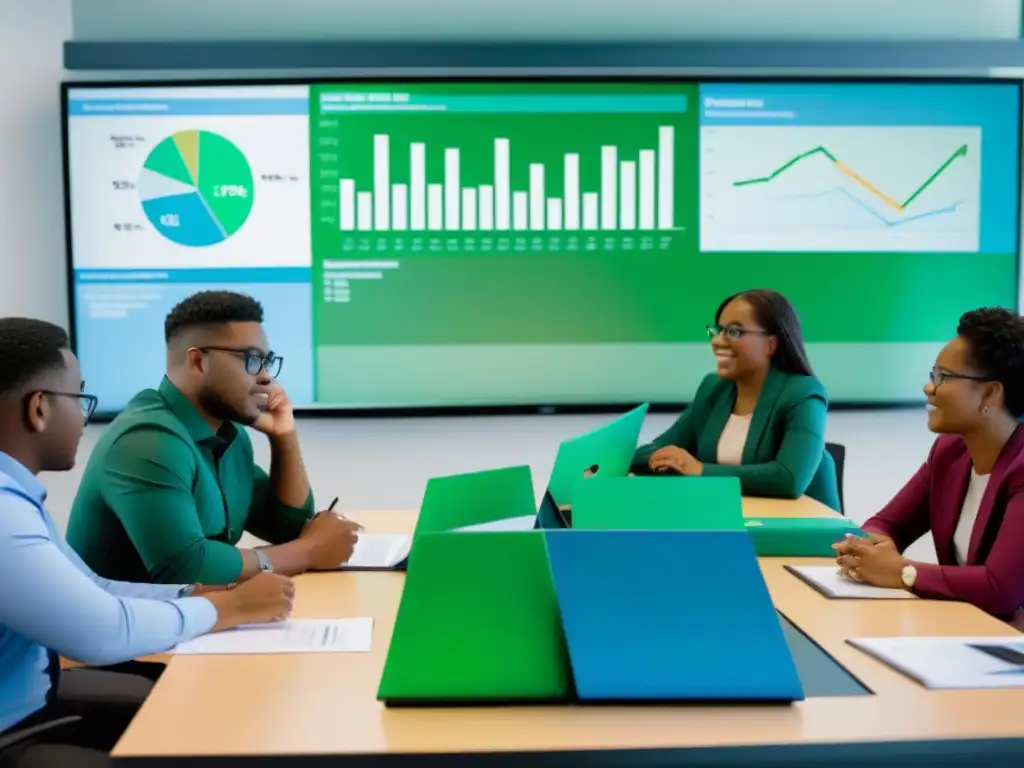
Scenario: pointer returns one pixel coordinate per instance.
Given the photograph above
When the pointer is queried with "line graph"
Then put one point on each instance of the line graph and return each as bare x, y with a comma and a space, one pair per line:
875, 214
856, 188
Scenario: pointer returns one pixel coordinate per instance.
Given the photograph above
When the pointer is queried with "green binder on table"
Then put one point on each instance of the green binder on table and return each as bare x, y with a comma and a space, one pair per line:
659, 503
798, 536
478, 623
474, 498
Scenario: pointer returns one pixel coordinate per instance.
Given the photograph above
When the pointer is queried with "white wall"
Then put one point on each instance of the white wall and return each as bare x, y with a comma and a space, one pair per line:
32, 271
539, 19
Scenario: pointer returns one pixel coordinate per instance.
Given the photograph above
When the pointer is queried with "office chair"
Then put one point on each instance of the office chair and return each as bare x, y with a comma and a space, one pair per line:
838, 453
15, 738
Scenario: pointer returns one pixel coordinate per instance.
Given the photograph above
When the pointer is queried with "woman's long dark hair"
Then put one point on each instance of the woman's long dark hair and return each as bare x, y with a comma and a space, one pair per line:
776, 315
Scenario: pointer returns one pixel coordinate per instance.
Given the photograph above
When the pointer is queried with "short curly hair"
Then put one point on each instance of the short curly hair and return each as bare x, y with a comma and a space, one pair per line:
995, 349
29, 348
208, 308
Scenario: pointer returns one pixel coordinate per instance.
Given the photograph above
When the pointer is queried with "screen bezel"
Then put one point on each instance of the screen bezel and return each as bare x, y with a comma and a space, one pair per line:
317, 410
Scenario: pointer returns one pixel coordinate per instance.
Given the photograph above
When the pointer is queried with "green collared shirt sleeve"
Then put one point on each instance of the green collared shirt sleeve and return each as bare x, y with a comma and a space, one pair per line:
789, 475
147, 483
270, 518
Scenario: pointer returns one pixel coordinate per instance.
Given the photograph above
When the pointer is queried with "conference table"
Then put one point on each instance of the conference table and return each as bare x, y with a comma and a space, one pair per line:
321, 709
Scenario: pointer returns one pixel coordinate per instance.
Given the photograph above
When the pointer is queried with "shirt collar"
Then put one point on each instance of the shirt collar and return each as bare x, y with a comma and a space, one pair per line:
191, 419
23, 478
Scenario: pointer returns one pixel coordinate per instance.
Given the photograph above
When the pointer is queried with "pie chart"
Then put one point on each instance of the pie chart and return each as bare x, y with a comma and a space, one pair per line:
196, 188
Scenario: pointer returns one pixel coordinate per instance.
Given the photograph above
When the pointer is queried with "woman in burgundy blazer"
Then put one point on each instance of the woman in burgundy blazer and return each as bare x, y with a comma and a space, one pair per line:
970, 491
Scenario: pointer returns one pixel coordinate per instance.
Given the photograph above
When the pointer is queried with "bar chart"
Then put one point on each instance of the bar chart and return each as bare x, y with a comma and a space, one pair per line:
635, 195
453, 182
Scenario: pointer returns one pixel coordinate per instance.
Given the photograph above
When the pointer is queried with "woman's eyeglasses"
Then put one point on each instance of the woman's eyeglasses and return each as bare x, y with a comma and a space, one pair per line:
732, 332
938, 375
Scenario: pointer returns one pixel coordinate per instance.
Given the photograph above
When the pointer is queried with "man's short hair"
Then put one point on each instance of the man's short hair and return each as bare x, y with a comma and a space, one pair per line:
28, 349
211, 308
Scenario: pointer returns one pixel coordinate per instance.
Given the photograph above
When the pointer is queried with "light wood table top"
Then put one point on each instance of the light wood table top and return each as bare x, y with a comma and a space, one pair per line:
315, 704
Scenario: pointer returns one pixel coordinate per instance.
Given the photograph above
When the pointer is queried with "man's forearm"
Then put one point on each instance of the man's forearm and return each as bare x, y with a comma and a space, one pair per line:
288, 480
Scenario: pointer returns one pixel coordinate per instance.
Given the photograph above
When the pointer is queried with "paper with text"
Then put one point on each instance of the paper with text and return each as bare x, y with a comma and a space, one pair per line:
948, 662
827, 580
295, 636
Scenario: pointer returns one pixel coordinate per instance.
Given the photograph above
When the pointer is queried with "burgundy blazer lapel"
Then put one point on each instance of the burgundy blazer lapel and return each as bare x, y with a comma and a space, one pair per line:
951, 490
1003, 463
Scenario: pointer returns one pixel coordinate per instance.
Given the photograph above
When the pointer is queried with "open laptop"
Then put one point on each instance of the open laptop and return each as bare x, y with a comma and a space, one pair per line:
606, 451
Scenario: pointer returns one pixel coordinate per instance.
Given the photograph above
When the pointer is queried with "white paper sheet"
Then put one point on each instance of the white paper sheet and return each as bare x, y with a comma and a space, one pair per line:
947, 662
826, 579
520, 523
295, 636
379, 550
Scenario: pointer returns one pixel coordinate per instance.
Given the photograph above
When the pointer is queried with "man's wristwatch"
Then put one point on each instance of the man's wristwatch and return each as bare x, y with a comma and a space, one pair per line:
909, 576
187, 590
265, 565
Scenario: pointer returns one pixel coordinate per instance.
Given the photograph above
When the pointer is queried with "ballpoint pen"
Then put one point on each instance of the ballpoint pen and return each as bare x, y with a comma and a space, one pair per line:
331, 509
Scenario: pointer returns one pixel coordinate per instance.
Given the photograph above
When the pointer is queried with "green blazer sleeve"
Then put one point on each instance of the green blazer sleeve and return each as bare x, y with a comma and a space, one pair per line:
270, 518
147, 483
802, 408
683, 433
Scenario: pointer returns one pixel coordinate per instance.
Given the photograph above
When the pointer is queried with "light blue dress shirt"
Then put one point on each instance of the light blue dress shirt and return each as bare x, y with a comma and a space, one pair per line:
50, 599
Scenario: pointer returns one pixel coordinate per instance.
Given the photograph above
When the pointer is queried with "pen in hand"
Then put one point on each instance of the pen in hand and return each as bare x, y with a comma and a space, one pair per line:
331, 509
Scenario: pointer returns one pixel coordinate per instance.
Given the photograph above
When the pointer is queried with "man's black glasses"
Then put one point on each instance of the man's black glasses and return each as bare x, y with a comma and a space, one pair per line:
87, 402
255, 361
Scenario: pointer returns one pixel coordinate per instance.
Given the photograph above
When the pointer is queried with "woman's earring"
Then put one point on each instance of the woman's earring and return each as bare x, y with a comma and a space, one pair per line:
985, 410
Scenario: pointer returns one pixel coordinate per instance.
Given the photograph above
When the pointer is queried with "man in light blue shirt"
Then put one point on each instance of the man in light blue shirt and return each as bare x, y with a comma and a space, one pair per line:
53, 604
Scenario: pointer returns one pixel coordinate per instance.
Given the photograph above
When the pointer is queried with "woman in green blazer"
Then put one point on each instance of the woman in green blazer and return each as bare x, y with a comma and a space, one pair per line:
761, 416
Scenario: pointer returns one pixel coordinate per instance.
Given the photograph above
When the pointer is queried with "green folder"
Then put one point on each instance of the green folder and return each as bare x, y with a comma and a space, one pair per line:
798, 536
478, 622
659, 503
455, 501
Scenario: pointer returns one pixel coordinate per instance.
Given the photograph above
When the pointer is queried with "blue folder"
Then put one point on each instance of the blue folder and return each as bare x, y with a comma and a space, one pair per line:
669, 616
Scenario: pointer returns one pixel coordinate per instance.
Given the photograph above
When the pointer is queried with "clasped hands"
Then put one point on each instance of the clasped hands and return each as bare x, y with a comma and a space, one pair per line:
874, 560
672, 458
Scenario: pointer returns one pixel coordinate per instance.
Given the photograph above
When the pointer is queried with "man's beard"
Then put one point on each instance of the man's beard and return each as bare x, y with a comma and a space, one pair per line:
215, 406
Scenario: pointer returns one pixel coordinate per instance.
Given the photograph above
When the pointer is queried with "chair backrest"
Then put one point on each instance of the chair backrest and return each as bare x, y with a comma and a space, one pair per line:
838, 453
47, 727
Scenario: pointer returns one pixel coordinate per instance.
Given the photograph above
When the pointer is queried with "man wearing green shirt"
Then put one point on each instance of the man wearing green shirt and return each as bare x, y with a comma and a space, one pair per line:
171, 485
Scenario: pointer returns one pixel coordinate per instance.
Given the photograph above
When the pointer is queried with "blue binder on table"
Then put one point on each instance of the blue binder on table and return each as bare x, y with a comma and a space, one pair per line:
669, 616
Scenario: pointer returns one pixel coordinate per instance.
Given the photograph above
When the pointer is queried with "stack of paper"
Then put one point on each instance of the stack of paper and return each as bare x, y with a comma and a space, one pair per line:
295, 636
378, 551
828, 580
952, 662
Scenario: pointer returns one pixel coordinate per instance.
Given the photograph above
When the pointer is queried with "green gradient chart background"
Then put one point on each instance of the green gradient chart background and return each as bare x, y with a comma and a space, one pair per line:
618, 323
618, 292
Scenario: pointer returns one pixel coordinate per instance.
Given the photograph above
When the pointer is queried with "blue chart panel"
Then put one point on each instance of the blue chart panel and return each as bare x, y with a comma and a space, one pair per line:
133, 312
864, 168
185, 219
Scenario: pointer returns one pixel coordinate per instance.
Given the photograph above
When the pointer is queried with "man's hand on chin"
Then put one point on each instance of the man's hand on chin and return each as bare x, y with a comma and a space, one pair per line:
277, 419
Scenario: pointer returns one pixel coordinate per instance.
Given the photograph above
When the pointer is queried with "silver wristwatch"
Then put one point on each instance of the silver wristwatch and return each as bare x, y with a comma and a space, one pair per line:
265, 565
